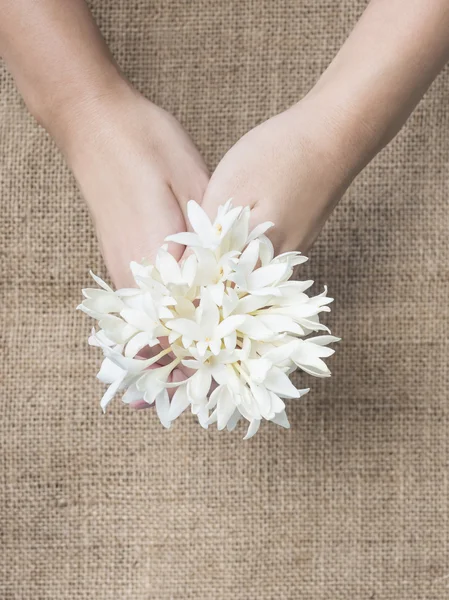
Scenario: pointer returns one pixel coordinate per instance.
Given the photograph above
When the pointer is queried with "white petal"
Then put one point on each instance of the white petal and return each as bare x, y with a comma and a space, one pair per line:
117, 329
280, 323
132, 394
252, 429
281, 419
267, 291
168, 267
260, 230
225, 408
179, 403
138, 319
207, 269
266, 250
198, 385
152, 382
173, 336
100, 282
263, 398
102, 302
164, 313
308, 356
250, 304
174, 384
227, 326
215, 346
217, 292
224, 208
185, 308
189, 267
99, 339
292, 258
323, 340
186, 341
162, 408
203, 417
202, 348
281, 352
191, 364
198, 219
213, 417
208, 313
239, 233
220, 374
258, 368
227, 220
139, 270
313, 325
135, 344
232, 423
249, 258
110, 372
277, 405
317, 369
213, 398
185, 327
110, 393
278, 382
245, 350
185, 239
293, 287
230, 301
266, 276
254, 328
230, 341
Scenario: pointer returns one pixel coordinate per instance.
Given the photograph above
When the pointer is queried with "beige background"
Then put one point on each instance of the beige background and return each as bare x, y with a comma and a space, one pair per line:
352, 503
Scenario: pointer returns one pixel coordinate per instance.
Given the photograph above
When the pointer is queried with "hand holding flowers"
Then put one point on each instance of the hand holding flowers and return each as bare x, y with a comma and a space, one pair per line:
230, 314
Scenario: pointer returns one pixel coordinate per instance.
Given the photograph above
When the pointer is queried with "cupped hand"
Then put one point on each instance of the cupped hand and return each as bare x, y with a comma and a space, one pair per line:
287, 170
137, 168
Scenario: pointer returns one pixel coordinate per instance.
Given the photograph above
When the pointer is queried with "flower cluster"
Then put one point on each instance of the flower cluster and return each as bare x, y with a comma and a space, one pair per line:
228, 315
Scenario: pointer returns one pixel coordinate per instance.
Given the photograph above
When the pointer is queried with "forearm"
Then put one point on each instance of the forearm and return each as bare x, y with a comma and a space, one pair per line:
57, 57
380, 74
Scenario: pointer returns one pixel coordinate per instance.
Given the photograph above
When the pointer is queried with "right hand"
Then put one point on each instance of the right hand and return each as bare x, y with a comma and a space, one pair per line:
137, 168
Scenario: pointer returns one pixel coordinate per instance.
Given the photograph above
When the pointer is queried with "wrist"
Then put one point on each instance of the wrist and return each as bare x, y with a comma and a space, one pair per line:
344, 124
71, 110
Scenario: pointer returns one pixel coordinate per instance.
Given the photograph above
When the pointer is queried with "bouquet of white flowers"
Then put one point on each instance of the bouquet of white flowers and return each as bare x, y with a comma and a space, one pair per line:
228, 314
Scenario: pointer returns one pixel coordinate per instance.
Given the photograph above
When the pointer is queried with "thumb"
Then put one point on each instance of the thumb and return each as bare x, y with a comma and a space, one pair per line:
228, 184
245, 194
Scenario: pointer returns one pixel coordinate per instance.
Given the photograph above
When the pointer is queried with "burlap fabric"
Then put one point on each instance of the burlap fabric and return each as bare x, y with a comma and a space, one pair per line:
352, 503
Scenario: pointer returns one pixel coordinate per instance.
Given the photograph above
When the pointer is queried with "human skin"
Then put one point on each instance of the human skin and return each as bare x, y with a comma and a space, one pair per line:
134, 163
294, 168
132, 160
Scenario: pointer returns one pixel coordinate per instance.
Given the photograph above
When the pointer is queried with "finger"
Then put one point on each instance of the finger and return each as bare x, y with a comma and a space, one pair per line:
224, 186
216, 195
244, 193
193, 188
140, 230
199, 200
219, 190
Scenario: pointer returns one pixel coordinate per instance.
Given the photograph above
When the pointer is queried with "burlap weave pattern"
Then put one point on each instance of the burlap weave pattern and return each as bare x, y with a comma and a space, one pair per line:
352, 503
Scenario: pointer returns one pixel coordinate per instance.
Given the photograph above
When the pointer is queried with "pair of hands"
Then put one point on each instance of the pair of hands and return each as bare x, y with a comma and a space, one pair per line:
138, 169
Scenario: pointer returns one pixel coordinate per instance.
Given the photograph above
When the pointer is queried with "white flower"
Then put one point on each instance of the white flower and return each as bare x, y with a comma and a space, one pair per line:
207, 234
231, 315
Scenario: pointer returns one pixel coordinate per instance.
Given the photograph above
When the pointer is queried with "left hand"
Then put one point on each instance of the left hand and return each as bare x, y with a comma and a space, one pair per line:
288, 170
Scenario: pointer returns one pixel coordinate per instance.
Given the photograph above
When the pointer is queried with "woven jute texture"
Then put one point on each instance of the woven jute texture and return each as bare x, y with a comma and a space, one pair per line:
352, 502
